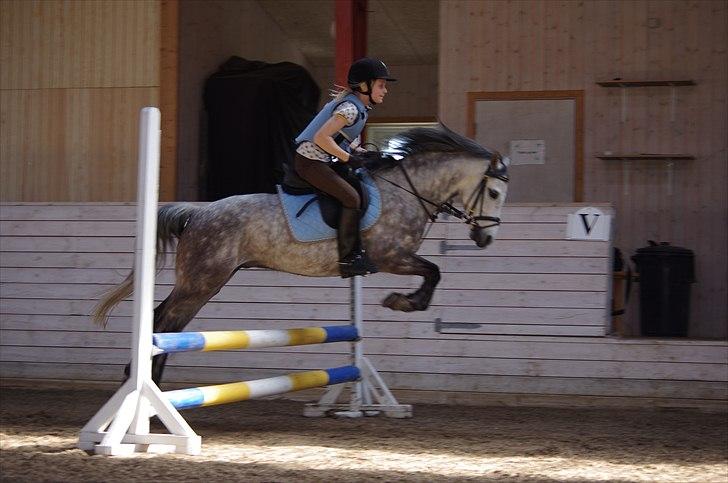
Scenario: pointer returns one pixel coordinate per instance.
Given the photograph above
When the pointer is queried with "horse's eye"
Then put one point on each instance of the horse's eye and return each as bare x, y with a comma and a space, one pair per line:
493, 194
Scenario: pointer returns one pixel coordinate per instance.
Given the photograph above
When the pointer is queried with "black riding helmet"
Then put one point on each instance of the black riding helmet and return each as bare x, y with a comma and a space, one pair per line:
366, 70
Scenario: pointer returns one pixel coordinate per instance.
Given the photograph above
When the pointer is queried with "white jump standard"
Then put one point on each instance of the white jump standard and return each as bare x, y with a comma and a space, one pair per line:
121, 426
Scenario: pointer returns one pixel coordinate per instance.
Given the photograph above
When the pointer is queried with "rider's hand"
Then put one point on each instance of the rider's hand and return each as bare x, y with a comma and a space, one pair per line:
357, 160
370, 160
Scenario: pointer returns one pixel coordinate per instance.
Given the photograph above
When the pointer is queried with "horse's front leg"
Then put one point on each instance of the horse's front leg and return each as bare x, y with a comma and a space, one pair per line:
419, 300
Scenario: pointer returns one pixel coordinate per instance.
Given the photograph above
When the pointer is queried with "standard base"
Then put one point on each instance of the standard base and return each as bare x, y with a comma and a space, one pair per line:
141, 443
369, 397
121, 426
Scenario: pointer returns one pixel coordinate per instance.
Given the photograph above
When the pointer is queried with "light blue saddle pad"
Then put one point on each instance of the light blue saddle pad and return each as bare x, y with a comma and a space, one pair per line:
309, 226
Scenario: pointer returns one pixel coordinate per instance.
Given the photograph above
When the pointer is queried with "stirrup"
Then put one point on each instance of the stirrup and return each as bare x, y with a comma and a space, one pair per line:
356, 263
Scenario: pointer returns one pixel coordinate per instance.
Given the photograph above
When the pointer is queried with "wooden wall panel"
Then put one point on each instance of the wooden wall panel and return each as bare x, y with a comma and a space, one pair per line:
71, 144
74, 75
62, 44
552, 45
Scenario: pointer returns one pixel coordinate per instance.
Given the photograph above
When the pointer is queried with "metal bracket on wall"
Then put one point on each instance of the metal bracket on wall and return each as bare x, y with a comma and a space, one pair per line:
439, 325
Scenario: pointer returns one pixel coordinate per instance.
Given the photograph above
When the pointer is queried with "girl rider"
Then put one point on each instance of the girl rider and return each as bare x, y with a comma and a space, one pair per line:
333, 133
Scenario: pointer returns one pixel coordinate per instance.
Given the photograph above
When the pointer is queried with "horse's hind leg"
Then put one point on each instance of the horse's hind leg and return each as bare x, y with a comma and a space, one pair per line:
186, 299
412, 264
183, 303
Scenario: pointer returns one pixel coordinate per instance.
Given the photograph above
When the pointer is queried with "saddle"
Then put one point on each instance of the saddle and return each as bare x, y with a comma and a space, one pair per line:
313, 216
329, 206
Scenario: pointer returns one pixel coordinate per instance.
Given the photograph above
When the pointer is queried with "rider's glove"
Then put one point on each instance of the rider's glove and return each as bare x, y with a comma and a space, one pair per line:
357, 160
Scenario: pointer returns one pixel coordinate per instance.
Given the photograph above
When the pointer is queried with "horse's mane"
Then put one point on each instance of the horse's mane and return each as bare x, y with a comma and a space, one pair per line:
420, 140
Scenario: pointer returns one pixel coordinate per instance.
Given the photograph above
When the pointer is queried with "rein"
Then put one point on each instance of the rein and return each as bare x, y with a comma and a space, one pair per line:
478, 197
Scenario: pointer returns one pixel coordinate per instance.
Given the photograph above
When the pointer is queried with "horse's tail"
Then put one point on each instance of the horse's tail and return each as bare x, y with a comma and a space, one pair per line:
171, 222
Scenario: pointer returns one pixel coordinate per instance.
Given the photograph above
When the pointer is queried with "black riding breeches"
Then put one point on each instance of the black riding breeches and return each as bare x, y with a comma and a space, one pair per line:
322, 177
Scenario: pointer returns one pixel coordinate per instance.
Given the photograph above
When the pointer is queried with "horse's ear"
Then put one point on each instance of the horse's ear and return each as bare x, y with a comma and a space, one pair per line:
506, 161
495, 159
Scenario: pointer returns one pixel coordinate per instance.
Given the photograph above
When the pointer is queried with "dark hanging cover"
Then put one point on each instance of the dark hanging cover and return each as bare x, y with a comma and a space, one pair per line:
254, 111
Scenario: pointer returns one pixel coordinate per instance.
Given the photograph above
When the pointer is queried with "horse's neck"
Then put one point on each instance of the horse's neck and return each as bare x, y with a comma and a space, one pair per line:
438, 177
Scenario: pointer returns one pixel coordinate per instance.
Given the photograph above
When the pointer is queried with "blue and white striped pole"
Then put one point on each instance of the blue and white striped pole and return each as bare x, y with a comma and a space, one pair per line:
169, 342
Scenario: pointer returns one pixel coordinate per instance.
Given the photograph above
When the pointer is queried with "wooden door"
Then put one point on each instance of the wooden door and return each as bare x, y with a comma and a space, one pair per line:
542, 134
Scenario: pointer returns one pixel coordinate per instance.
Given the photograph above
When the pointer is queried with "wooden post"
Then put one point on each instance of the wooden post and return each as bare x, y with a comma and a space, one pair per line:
351, 35
168, 87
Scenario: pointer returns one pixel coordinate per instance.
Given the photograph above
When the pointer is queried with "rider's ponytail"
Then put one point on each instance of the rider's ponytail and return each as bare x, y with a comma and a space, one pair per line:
339, 92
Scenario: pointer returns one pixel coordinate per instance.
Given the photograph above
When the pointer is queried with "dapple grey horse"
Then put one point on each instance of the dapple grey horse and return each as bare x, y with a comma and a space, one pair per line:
434, 166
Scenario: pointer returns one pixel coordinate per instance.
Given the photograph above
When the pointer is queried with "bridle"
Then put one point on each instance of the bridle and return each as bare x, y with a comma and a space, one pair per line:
478, 198
475, 200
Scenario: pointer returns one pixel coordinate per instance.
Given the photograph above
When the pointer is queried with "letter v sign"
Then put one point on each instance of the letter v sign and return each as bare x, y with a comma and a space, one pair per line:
588, 224
587, 227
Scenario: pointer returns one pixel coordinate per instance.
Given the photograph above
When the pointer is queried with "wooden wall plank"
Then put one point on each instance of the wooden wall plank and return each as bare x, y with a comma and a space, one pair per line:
124, 211
631, 349
511, 248
48, 245
237, 360
118, 257
500, 281
488, 349
323, 312
509, 231
470, 298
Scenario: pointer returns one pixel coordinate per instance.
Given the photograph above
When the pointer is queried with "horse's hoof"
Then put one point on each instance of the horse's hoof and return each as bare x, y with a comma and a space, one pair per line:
398, 301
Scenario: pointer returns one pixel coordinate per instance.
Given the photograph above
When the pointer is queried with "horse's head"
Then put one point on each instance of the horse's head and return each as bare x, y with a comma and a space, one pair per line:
459, 161
485, 202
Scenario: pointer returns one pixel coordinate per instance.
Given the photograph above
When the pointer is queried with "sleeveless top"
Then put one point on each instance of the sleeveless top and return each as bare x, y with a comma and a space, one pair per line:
344, 138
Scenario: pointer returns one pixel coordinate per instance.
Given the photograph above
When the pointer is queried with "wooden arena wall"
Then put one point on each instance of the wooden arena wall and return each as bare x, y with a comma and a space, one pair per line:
545, 45
74, 76
521, 322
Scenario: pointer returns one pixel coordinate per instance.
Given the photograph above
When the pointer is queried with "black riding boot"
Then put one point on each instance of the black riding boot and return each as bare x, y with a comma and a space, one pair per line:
352, 258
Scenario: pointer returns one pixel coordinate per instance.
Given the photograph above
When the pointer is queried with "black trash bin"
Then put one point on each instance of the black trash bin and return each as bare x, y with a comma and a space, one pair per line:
665, 275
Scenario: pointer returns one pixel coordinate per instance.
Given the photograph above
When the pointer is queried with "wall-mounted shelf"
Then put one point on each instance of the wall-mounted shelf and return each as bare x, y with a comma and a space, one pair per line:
643, 83
669, 157
645, 156
646, 83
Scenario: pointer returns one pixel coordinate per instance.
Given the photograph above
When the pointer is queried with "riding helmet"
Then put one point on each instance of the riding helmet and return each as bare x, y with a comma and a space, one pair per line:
367, 69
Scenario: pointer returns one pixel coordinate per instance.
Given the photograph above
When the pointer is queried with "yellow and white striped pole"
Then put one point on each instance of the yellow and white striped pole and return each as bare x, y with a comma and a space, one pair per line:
240, 391
168, 342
